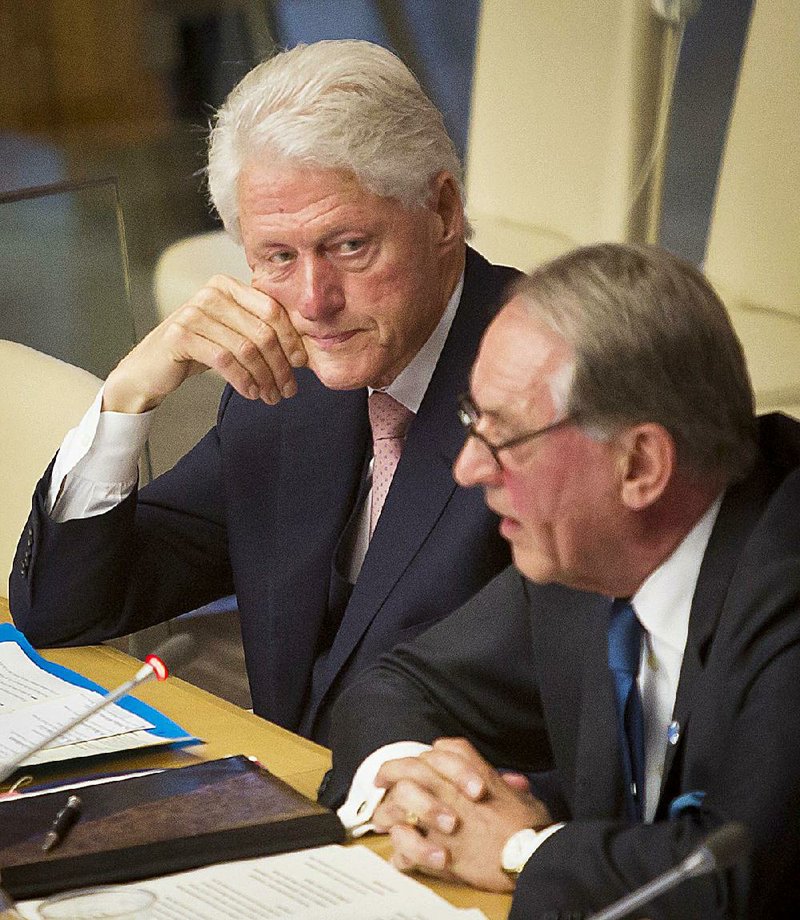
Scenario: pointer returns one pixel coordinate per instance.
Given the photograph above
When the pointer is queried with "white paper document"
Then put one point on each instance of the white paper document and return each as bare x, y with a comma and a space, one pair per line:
34, 703
325, 883
36, 698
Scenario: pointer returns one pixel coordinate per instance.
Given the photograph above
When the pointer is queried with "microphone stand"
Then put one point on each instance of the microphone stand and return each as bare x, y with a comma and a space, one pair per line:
697, 863
146, 672
722, 849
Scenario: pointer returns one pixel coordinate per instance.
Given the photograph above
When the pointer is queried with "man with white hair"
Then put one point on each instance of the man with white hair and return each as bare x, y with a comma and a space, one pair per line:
323, 497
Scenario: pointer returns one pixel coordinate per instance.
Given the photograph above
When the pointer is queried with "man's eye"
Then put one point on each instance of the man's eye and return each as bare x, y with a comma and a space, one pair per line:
281, 257
350, 246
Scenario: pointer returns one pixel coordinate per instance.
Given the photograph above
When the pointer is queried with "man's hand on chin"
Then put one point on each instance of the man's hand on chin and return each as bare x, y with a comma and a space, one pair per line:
242, 333
449, 814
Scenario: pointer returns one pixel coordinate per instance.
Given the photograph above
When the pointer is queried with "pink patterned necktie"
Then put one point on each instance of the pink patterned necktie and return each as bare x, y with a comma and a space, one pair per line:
389, 420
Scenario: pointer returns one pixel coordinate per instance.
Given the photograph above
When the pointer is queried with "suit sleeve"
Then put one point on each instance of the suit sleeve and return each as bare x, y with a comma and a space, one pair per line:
742, 750
467, 676
160, 553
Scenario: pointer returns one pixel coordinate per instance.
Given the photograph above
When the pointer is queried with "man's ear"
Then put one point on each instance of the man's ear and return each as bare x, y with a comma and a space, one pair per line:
647, 460
448, 207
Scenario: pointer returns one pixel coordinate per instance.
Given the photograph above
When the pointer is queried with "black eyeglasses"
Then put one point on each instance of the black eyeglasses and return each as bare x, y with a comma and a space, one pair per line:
469, 415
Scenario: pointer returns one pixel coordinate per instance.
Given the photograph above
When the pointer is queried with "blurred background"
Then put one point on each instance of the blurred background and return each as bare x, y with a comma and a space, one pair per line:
124, 89
577, 120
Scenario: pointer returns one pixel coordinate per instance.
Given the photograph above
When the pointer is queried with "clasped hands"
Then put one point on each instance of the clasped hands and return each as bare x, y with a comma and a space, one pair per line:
449, 813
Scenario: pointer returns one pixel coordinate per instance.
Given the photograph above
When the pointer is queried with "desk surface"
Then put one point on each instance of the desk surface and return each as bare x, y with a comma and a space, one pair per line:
226, 729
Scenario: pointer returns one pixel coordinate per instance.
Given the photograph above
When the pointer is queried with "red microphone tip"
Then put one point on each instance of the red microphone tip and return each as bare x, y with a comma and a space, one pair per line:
158, 666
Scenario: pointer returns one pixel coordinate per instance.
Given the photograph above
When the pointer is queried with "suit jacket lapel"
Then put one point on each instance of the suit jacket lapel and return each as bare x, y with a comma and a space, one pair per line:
423, 482
414, 504
324, 450
740, 510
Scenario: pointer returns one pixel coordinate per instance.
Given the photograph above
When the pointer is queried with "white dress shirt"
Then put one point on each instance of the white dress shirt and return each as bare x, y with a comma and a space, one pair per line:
97, 464
663, 604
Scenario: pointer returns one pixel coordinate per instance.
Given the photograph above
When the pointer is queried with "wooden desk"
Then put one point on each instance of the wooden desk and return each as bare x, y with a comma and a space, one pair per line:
226, 730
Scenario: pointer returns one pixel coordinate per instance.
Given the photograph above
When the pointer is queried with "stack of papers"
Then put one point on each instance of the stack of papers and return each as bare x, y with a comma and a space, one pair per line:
324, 883
37, 696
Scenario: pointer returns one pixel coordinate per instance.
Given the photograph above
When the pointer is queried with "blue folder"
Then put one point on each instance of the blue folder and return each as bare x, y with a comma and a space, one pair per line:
163, 728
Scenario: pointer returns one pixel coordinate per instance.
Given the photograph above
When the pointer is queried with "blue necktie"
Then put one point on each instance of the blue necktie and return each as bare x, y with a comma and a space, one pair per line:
624, 653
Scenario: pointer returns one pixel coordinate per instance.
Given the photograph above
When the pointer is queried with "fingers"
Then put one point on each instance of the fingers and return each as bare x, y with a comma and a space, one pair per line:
449, 813
417, 771
410, 803
269, 312
456, 760
414, 851
428, 786
249, 361
243, 334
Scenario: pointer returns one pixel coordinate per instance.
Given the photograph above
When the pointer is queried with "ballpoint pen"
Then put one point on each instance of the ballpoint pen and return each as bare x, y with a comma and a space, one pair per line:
64, 820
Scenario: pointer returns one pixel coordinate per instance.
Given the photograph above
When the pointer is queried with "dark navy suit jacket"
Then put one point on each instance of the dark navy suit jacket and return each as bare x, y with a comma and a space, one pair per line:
258, 508
521, 670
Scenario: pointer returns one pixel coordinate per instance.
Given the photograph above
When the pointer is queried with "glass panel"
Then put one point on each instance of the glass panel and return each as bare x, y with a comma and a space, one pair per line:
64, 280
64, 286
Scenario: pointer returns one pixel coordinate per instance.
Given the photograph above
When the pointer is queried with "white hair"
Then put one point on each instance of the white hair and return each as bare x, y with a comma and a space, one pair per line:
333, 104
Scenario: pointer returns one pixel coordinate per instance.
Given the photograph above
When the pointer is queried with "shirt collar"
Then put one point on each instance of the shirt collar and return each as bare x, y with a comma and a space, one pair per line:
411, 383
664, 601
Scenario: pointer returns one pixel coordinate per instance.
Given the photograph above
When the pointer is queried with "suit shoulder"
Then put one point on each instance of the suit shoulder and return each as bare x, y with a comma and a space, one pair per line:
487, 279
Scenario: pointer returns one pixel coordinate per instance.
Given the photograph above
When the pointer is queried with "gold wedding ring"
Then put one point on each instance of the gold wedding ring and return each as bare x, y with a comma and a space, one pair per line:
412, 818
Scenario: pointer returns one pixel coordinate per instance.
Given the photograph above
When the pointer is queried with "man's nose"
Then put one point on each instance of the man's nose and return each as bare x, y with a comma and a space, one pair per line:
320, 294
475, 465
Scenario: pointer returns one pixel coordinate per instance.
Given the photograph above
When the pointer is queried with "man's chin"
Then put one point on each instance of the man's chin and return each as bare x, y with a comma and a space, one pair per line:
532, 567
342, 374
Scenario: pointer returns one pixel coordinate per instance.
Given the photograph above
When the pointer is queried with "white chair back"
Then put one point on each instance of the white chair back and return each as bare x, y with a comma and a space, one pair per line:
564, 109
185, 266
44, 398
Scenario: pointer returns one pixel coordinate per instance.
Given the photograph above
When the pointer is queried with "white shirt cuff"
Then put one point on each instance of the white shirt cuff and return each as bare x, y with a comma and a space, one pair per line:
539, 837
364, 796
97, 464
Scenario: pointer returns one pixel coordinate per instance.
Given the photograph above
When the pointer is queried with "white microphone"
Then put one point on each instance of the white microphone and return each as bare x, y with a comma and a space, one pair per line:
722, 849
174, 651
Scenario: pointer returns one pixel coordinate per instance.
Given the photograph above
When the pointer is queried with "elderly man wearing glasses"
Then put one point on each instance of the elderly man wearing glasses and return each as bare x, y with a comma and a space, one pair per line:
640, 662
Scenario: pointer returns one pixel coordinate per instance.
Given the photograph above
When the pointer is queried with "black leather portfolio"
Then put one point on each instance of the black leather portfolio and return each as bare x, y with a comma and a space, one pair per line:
155, 824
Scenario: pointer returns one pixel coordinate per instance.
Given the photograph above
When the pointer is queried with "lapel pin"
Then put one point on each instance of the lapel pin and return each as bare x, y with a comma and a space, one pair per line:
673, 732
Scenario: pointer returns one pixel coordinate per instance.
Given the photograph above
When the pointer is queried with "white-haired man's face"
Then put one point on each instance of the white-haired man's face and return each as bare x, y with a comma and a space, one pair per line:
363, 279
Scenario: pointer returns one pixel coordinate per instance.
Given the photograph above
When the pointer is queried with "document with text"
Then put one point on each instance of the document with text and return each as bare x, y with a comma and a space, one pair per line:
324, 883
36, 697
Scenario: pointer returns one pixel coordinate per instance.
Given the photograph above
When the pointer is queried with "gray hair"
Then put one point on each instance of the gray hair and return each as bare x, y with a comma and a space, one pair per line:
652, 342
333, 104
